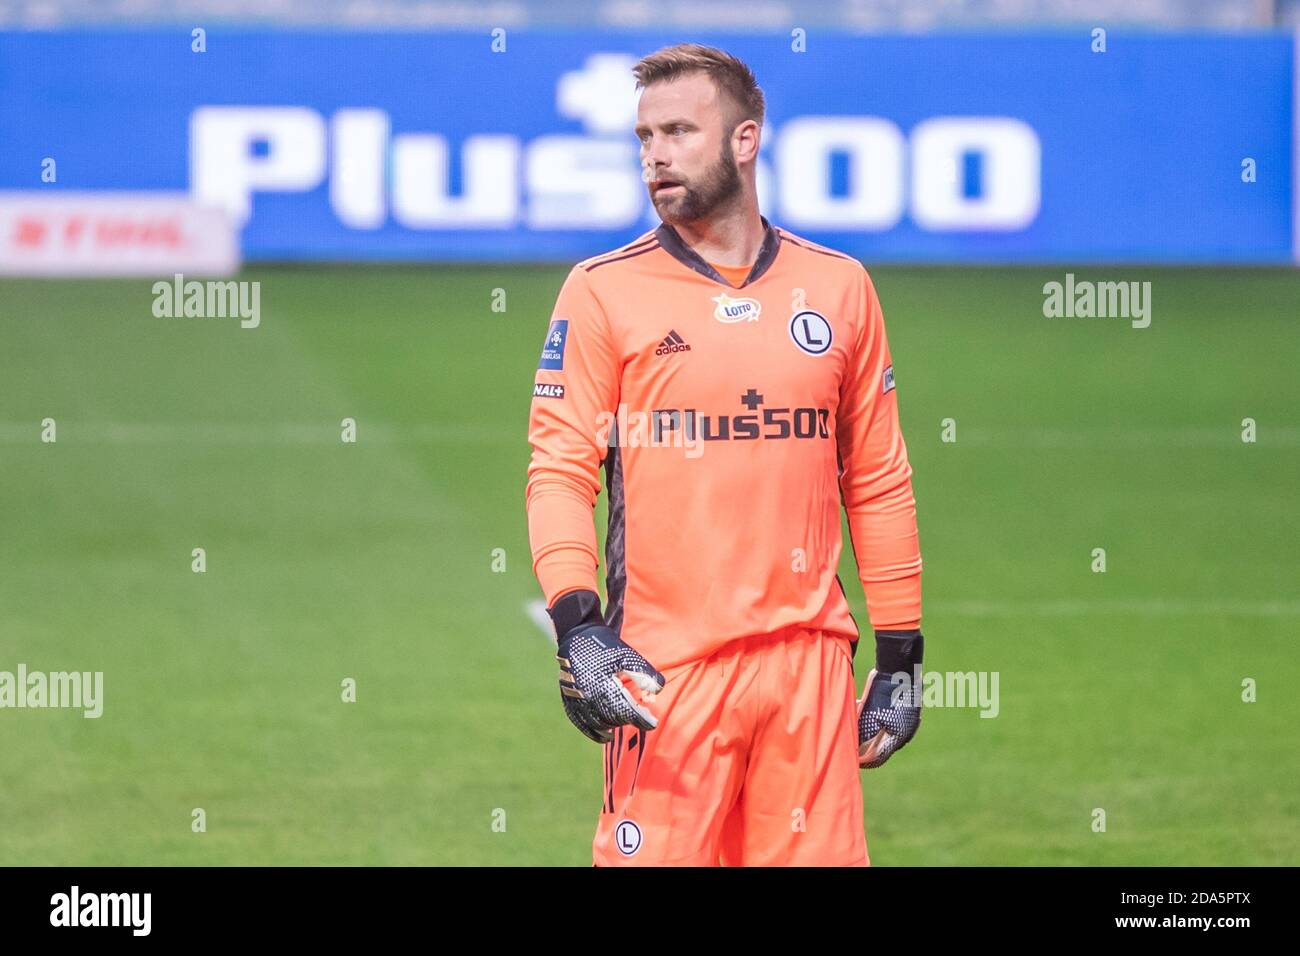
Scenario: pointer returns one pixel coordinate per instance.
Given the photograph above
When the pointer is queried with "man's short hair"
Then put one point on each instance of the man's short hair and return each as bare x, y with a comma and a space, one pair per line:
729, 74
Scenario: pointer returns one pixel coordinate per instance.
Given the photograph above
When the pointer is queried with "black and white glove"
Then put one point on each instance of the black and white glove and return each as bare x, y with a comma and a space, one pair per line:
592, 659
889, 712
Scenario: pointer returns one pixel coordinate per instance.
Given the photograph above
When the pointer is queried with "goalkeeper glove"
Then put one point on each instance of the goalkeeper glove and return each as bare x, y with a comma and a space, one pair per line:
889, 712
592, 659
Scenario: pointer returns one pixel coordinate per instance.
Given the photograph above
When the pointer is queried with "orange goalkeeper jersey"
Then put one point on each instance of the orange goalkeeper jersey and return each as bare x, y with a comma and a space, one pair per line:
731, 424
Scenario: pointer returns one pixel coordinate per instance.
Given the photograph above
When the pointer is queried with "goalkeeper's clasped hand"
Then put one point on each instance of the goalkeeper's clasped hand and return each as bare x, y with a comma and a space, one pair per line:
889, 711
592, 660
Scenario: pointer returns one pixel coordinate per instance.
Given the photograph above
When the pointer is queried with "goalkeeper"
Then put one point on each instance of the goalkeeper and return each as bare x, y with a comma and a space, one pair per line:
734, 382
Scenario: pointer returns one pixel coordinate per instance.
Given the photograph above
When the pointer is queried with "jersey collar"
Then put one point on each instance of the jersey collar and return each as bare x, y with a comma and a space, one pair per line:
676, 247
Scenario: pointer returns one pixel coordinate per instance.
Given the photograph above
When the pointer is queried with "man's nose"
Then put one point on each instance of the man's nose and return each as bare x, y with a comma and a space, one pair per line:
655, 160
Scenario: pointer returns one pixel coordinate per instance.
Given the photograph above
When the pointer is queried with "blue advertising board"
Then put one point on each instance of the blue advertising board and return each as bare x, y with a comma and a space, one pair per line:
463, 146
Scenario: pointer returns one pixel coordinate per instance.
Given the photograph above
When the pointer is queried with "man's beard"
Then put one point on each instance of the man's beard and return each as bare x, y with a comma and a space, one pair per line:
717, 186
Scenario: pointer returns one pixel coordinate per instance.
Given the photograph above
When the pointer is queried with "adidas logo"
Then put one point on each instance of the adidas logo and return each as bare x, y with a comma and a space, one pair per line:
672, 343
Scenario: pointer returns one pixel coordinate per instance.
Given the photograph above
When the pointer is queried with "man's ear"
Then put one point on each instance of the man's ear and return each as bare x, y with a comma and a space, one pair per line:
745, 141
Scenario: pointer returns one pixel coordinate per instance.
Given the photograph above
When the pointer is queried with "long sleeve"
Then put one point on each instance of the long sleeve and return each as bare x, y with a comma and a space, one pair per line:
876, 478
574, 395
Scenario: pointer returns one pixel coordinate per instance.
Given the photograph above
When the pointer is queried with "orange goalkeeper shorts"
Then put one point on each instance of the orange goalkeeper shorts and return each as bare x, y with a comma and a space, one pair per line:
754, 762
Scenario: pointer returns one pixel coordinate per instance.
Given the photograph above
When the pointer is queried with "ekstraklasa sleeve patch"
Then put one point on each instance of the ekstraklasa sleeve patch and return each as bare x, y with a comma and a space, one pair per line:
888, 384
553, 349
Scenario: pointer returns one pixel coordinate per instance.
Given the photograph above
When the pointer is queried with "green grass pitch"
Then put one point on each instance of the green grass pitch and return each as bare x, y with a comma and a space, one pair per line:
1118, 690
